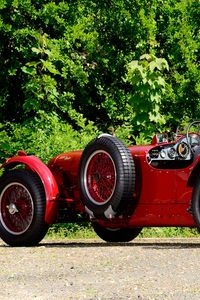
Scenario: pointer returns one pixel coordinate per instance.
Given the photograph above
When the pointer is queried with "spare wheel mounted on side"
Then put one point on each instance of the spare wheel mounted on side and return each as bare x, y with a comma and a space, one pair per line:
107, 177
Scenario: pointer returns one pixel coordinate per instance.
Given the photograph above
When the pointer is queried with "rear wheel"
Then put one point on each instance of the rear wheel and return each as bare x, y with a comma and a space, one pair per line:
116, 234
107, 177
22, 208
195, 204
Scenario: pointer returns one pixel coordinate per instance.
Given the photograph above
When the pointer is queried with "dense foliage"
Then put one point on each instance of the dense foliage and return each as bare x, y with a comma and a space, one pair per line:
70, 67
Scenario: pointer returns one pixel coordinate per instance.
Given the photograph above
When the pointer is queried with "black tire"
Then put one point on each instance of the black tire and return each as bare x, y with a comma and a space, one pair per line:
107, 178
116, 235
195, 204
22, 208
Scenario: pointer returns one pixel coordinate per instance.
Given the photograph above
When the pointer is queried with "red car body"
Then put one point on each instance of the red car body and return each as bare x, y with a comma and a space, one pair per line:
163, 195
164, 190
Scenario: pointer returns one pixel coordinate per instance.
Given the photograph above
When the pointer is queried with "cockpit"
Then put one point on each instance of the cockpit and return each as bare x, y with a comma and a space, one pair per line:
171, 149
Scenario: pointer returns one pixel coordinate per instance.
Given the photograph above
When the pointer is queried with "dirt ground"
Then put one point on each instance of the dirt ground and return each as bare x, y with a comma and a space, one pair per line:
91, 269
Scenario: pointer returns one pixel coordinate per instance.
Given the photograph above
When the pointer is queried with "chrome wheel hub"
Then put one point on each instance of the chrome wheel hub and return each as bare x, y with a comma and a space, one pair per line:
12, 208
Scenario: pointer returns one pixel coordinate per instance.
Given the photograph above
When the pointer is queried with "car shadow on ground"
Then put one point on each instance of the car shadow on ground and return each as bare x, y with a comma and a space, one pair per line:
146, 244
155, 244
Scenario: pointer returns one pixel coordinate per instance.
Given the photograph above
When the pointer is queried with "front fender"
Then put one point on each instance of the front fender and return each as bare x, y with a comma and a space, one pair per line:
46, 176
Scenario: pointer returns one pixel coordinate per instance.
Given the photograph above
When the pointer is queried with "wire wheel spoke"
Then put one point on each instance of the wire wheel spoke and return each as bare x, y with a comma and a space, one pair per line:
16, 208
100, 177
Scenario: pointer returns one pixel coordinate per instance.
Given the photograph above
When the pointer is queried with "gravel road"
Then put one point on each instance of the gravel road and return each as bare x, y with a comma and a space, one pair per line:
91, 269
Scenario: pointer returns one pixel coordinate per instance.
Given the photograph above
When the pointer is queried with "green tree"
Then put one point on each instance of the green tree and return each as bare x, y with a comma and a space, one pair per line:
148, 88
80, 61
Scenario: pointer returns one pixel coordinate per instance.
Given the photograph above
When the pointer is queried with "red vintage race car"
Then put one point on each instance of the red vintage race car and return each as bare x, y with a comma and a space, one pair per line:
119, 189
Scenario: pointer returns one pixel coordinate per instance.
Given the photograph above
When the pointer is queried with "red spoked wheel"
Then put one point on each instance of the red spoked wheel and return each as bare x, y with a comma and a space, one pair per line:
22, 208
107, 177
17, 208
100, 177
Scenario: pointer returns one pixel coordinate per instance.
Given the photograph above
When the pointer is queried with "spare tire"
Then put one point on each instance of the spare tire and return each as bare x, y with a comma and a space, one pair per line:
107, 177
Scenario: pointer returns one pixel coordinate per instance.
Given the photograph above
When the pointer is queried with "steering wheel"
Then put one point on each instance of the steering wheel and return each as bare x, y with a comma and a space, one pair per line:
193, 139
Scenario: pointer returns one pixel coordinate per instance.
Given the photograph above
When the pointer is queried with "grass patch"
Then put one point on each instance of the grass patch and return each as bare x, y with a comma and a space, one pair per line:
169, 232
71, 231
85, 231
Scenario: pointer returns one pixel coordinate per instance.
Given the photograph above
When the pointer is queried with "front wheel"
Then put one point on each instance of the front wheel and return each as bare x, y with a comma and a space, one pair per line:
22, 208
116, 234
